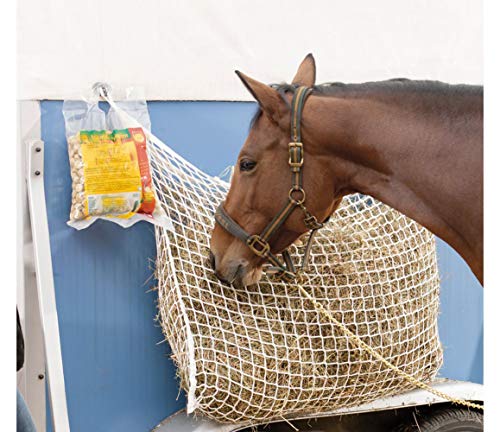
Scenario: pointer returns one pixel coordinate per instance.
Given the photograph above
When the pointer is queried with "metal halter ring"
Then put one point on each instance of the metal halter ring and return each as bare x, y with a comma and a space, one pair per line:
299, 201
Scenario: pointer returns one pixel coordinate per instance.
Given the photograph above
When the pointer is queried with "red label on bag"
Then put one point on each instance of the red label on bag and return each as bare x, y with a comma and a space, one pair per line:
148, 197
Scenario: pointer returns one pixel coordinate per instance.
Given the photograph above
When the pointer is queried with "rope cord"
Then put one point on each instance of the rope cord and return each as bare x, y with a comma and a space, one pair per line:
364, 346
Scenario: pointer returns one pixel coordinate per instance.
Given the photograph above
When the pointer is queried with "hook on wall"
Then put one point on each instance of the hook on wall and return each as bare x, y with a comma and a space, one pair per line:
102, 89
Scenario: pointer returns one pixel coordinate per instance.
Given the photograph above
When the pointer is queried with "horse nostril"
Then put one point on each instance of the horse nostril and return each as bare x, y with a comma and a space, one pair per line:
211, 260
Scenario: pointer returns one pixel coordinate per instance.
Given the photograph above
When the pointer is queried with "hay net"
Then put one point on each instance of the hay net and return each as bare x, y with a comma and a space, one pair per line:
264, 352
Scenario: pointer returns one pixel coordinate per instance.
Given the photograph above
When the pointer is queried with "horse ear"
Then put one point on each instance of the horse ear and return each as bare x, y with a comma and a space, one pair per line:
268, 98
306, 74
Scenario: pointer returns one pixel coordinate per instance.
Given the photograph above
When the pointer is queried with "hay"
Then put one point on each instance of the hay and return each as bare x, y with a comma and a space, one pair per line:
264, 352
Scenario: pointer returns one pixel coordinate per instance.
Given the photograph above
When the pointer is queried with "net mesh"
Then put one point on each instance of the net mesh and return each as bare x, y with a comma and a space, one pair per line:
264, 352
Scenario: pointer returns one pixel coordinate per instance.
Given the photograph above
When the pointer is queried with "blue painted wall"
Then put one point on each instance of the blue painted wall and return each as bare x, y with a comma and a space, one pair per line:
117, 377
461, 318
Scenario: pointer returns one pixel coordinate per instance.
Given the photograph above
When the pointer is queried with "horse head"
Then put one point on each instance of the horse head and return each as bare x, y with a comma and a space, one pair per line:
260, 185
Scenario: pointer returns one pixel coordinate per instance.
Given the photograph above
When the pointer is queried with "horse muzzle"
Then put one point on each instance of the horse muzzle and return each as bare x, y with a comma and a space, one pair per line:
237, 272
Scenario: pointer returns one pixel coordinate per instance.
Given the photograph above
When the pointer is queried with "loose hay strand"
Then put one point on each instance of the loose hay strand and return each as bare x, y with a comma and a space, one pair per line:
354, 338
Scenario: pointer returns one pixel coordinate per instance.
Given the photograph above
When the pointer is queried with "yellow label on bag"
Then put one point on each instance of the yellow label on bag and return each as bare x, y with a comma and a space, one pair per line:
112, 175
110, 167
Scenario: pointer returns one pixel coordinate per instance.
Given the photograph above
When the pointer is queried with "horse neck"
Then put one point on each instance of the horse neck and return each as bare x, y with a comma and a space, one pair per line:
424, 166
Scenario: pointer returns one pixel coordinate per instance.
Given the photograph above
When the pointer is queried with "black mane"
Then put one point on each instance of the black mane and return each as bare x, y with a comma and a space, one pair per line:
395, 87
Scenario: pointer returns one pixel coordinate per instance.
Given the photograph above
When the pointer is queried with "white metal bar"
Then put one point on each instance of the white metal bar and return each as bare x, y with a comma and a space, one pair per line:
45, 286
31, 378
183, 422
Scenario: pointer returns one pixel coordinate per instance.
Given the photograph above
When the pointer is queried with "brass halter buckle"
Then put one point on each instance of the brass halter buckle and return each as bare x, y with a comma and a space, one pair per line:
296, 165
263, 247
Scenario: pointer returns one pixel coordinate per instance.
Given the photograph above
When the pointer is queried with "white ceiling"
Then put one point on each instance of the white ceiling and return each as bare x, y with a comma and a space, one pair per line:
188, 50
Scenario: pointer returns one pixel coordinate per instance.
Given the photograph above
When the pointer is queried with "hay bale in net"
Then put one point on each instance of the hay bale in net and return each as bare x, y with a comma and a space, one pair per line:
264, 352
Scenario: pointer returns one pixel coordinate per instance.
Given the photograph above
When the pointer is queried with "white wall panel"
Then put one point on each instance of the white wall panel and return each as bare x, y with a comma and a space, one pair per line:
188, 50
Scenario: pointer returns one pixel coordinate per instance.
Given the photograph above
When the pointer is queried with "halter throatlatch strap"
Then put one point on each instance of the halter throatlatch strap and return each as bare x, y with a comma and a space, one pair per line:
259, 244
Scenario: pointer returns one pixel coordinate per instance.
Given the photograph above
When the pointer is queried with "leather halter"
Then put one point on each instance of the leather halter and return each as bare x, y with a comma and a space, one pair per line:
259, 243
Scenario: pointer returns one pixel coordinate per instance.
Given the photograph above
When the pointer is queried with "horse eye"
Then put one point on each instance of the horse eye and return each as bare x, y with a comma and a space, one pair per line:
247, 165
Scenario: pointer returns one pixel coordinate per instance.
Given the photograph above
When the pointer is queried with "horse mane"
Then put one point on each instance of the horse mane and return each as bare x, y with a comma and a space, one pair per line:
433, 93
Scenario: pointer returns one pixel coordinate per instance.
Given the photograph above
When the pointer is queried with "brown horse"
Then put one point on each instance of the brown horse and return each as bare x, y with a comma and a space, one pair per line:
414, 145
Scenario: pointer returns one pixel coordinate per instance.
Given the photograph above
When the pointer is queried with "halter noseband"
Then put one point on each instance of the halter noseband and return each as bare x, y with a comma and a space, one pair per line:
259, 244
